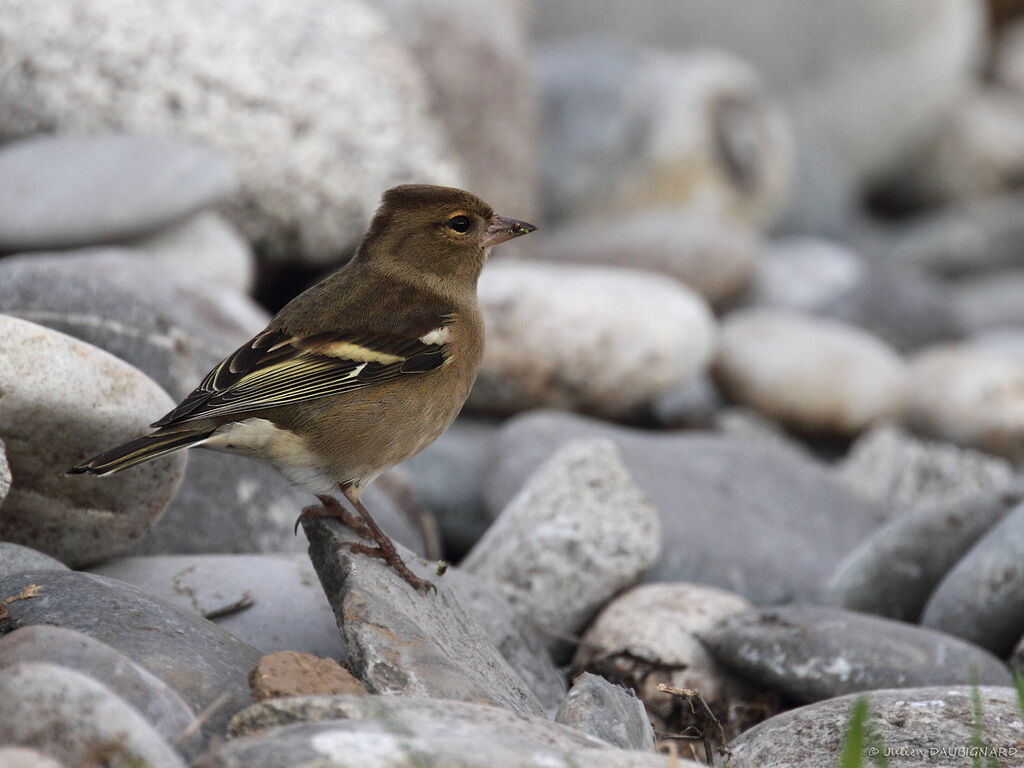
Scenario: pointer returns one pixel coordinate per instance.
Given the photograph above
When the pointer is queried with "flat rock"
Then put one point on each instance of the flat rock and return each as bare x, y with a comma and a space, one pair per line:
63, 401
15, 558
73, 190
578, 532
982, 598
914, 724
162, 708
210, 667
248, 595
607, 711
276, 102
73, 717
290, 673
812, 653
811, 374
737, 514
405, 642
547, 347
895, 570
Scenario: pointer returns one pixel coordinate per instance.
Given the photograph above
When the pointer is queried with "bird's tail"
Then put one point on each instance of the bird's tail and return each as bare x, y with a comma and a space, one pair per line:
139, 450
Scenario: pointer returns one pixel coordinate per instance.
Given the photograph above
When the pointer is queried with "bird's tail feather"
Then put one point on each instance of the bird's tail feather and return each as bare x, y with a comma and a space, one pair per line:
139, 450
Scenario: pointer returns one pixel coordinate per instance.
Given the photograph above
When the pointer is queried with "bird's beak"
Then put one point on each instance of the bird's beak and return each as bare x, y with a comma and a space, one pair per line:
503, 228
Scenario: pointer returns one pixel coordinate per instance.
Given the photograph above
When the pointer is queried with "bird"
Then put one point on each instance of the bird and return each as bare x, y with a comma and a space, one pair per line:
360, 371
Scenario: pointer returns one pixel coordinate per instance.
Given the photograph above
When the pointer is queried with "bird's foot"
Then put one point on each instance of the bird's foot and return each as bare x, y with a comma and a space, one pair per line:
331, 507
386, 551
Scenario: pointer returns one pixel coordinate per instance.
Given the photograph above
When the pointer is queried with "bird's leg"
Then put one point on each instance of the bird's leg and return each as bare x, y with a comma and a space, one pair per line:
331, 507
385, 548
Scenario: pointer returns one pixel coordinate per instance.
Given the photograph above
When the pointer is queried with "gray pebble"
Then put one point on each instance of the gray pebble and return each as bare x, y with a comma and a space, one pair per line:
15, 558
608, 711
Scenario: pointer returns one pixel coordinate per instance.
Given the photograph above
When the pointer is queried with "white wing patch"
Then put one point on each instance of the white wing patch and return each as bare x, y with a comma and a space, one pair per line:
437, 336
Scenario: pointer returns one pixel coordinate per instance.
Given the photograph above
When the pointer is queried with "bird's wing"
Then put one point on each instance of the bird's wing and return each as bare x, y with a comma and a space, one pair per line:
277, 368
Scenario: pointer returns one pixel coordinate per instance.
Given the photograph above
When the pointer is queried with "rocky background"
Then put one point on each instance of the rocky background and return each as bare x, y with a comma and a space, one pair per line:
745, 446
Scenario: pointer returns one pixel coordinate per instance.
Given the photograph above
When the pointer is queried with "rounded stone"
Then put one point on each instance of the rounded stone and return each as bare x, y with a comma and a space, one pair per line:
811, 374
15, 558
546, 346
26, 757
64, 401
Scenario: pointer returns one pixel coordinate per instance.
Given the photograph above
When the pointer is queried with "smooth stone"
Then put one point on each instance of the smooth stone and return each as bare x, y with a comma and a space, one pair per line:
811, 653
206, 248
74, 190
277, 102
645, 637
969, 395
629, 129
290, 673
547, 347
210, 667
694, 405
15, 558
64, 401
982, 598
916, 725
716, 260
900, 471
5, 473
248, 595
579, 531
162, 708
989, 300
811, 374
896, 569
608, 711
743, 424
736, 514
401, 641
75, 718
25, 757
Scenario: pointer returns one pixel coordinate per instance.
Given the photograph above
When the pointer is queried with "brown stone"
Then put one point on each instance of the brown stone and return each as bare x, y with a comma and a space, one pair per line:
290, 673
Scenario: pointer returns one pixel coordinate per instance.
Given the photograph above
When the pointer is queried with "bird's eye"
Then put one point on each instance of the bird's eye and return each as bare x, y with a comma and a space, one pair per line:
459, 224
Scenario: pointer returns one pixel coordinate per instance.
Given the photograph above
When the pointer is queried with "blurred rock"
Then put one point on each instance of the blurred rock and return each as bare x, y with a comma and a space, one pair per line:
744, 425
1008, 57
15, 558
200, 661
694, 404
982, 598
546, 346
735, 513
25, 757
631, 129
277, 101
5, 473
895, 570
75, 718
1017, 660
162, 708
290, 673
579, 531
811, 374
65, 401
205, 248
909, 722
990, 300
248, 595
66, 191
607, 711
811, 653
970, 395
645, 637
714, 259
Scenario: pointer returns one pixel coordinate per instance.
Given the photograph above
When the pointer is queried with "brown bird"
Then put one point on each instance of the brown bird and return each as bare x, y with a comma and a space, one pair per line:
359, 372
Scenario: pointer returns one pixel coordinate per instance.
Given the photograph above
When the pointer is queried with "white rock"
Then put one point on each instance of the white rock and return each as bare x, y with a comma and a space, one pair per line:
590, 338
811, 374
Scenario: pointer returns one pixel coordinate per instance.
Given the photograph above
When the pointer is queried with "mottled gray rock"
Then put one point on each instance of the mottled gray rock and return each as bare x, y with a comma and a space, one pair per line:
65, 191
15, 558
406, 642
546, 346
715, 259
163, 709
982, 597
251, 596
26, 757
916, 725
631, 129
62, 401
607, 711
73, 717
735, 513
811, 653
895, 570
202, 662
579, 531
812, 374
277, 102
